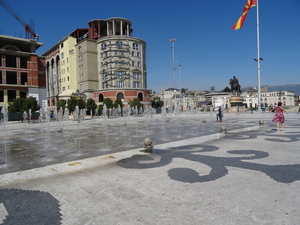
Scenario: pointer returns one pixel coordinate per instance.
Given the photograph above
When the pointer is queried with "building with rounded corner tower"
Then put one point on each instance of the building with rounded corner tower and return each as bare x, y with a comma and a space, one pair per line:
101, 61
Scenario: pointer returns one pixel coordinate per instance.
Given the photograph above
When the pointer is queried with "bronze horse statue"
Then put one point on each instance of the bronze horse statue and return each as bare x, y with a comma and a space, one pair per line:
235, 86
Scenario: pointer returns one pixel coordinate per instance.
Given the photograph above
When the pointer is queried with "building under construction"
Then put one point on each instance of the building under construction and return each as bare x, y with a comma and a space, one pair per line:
22, 71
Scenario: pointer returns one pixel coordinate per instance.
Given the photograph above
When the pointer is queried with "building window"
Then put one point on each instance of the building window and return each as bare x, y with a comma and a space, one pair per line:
62, 55
139, 64
132, 53
120, 95
104, 85
138, 54
104, 76
122, 52
132, 63
101, 97
119, 44
135, 46
116, 62
136, 76
116, 52
136, 84
120, 84
103, 46
140, 96
68, 78
120, 75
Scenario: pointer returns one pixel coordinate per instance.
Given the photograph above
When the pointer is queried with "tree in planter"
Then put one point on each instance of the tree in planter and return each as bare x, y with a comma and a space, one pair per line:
23, 104
73, 102
91, 105
32, 104
17, 105
157, 103
61, 103
117, 103
136, 102
109, 105
100, 109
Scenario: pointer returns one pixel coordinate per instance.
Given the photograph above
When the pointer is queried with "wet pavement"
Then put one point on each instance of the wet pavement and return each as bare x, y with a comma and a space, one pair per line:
26, 146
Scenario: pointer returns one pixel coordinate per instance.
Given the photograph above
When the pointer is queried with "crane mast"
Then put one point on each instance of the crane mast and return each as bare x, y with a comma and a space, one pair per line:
28, 29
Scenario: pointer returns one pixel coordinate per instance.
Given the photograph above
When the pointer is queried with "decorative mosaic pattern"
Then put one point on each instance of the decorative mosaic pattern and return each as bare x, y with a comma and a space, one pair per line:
218, 165
19, 207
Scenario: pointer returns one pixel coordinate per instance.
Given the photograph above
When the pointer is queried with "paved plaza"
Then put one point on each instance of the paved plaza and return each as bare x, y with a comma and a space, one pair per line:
97, 172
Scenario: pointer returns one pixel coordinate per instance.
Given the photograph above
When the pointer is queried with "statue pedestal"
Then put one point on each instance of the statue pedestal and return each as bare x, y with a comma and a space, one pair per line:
236, 102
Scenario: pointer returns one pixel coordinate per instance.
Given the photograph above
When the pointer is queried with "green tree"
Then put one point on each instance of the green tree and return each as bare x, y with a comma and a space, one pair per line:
212, 88
157, 103
32, 104
73, 102
61, 103
100, 109
135, 102
226, 89
108, 102
184, 90
23, 104
17, 105
91, 105
118, 102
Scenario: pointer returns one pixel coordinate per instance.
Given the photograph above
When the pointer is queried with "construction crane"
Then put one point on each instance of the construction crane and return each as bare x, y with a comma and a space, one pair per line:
28, 29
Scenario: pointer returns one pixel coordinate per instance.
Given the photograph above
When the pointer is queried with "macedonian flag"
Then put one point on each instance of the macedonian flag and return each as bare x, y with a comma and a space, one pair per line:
241, 20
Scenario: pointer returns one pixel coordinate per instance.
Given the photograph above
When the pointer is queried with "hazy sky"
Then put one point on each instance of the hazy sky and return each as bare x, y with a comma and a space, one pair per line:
209, 51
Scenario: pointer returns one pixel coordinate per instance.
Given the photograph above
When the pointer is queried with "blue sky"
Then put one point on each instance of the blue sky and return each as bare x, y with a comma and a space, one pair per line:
209, 51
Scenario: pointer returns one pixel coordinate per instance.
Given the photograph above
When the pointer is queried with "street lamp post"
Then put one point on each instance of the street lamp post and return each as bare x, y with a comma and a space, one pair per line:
174, 70
173, 57
180, 82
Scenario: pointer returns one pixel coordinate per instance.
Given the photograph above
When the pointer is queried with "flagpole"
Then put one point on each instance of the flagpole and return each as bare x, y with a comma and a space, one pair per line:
258, 58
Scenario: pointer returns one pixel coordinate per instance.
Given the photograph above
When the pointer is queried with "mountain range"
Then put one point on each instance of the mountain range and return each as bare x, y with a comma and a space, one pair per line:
287, 87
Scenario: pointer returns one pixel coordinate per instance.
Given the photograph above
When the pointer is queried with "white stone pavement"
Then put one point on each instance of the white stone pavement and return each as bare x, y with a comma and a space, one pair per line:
251, 175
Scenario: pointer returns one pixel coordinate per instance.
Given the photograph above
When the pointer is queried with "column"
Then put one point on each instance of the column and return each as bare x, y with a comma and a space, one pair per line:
114, 28
121, 28
107, 28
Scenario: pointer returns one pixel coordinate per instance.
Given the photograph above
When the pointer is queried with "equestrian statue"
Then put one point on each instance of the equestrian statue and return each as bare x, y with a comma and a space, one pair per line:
235, 86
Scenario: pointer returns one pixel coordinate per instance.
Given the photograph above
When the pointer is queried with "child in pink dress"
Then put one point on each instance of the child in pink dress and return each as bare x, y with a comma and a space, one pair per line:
279, 117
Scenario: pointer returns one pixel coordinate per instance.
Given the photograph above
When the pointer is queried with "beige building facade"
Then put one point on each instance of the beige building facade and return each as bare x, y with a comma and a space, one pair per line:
101, 61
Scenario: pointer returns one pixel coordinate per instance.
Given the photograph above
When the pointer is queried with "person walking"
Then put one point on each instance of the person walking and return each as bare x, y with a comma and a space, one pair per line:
220, 114
217, 114
279, 117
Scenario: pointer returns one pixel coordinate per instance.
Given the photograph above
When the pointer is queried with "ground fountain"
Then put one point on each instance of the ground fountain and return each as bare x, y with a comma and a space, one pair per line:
3, 142
66, 140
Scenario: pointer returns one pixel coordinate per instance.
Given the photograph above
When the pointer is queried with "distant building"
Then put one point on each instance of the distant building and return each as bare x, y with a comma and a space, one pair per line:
101, 61
22, 71
251, 98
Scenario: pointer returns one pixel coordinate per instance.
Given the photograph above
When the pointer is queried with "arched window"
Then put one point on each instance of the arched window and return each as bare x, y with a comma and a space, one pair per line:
120, 95
101, 97
140, 96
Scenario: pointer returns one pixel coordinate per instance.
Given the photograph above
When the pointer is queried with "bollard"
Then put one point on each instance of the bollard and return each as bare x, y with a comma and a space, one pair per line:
223, 129
148, 145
